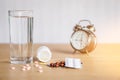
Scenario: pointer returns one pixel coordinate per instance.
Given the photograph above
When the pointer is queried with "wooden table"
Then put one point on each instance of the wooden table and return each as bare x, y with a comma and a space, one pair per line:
101, 64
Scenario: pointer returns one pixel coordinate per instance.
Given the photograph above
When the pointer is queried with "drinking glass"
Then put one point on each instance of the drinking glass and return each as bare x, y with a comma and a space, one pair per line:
21, 32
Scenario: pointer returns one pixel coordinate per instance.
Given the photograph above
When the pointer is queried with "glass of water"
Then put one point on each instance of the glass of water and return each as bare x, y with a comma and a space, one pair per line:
21, 32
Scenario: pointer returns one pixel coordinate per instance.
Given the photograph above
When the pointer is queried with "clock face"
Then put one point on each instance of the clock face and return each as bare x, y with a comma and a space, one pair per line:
79, 40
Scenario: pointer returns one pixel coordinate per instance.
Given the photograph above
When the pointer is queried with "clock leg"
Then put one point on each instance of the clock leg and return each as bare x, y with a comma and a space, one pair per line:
86, 52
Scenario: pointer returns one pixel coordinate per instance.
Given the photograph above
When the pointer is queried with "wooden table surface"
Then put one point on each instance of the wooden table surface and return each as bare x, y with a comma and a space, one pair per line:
101, 64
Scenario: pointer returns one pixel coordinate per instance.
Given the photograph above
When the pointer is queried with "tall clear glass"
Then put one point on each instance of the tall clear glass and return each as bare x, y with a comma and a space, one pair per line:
21, 32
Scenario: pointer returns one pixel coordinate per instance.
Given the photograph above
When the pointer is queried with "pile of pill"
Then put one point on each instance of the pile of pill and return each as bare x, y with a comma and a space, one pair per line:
28, 67
57, 64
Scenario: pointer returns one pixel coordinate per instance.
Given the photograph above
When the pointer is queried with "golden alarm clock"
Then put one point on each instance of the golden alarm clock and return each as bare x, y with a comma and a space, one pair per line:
83, 38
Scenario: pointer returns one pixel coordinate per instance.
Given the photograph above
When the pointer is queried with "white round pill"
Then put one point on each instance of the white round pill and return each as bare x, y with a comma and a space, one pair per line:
44, 54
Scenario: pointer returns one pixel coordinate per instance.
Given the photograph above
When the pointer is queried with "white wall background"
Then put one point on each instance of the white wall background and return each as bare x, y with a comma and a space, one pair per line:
54, 19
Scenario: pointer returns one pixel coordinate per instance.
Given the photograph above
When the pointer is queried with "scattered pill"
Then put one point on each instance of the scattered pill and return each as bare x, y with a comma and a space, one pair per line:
23, 66
40, 67
28, 68
27, 65
36, 65
36, 62
13, 68
40, 71
23, 69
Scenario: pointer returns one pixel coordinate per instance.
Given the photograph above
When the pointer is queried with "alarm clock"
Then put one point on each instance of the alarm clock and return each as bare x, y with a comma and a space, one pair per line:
83, 38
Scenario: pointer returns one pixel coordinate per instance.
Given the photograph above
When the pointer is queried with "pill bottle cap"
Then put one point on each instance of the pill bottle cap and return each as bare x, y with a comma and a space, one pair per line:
44, 54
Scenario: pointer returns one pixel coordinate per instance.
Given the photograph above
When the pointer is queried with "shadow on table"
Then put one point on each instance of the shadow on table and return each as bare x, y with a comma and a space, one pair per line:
4, 61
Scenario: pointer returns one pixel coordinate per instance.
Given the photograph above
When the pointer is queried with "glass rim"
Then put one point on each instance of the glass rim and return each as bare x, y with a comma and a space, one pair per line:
20, 13
20, 10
